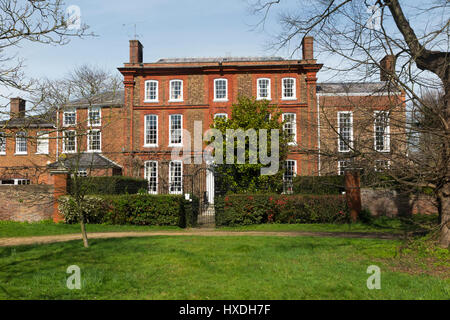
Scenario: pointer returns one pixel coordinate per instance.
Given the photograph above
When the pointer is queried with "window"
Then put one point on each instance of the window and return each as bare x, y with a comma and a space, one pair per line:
290, 171
288, 89
223, 116
290, 126
70, 117
151, 130
175, 130
15, 182
2, 143
381, 129
94, 141
94, 117
42, 143
21, 143
82, 173
151, 91
175, 177
151, 174
345, 130
342, 164
220, 90
69, 142
176, 90
382, 165
263, 89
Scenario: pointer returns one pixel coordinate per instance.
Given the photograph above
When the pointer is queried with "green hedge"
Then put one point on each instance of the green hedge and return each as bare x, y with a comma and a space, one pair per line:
235, 210
136, 209
109, 185
319, 185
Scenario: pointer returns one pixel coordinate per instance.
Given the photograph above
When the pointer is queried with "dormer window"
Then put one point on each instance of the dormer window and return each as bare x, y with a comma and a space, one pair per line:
176, 90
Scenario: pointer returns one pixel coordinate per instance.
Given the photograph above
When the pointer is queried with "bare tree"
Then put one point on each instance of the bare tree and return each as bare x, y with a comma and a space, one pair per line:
356, 35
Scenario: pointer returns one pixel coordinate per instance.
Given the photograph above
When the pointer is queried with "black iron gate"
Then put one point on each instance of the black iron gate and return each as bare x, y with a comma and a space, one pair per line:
200, 186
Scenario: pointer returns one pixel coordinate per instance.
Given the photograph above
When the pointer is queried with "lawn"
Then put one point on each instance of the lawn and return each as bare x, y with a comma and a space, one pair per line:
219, 268
382, 224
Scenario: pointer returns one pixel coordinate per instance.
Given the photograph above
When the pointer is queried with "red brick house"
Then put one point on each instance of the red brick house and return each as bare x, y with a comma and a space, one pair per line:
134, 132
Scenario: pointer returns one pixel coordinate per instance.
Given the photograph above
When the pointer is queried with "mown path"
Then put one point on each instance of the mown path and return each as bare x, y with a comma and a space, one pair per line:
18, 241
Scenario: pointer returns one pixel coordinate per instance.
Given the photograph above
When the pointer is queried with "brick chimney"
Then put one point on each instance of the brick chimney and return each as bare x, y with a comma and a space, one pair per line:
387, 67
308, 48
17, 108
136, 52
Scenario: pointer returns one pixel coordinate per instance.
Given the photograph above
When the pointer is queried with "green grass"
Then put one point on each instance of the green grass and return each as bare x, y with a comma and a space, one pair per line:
191, 267
46, 228
383, 224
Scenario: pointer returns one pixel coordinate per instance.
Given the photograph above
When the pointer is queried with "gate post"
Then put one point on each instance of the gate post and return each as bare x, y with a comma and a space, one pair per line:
353, 193
60, 179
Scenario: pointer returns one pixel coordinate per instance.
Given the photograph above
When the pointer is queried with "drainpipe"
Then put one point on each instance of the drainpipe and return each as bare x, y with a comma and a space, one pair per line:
318, 130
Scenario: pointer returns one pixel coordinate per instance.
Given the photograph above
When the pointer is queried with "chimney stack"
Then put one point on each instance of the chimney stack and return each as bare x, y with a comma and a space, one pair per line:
136, 51
308, 48
17, 108
387, 67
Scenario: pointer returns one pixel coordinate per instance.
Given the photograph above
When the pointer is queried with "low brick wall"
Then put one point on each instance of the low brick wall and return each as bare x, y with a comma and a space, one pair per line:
26, 203
392, 203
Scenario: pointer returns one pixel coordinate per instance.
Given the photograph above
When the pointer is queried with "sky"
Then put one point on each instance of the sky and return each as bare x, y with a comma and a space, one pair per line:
166, 28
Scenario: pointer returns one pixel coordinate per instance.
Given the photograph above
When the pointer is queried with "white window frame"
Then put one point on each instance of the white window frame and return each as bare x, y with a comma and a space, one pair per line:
95, 109
147, 177
146, 144
147, 84
221, 115
89, 137
340, 166
294, 89
64, 141
387, 133
2, 143
226, 90
170, 177
170, 131
18, 134
74, 111
379, 168
258, 89
294, 126
294, 173
43, 139
350, 144
170, 90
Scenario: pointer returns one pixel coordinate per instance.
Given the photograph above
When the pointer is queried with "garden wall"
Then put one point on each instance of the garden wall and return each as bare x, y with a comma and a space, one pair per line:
26, 202
392, 203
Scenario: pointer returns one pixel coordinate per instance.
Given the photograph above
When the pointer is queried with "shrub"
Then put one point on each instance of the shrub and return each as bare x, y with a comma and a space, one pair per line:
233, 210
319, 184
109, 185
136, 209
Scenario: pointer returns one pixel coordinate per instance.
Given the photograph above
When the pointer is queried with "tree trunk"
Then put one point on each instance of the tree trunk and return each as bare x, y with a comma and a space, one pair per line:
444, 212
83, 232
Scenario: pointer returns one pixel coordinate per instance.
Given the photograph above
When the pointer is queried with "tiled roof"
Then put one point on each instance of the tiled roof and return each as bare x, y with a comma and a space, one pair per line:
354, 87
85, 160
105, 99
218, 59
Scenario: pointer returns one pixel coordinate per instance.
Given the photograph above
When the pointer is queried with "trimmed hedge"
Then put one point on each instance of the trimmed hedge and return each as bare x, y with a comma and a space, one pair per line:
319, 184
109, 185
136, 209
235, 210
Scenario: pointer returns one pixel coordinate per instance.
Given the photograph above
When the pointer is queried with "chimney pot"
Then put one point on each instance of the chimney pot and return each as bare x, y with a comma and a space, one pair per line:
387, 67
17, 108
308, 48
136, 51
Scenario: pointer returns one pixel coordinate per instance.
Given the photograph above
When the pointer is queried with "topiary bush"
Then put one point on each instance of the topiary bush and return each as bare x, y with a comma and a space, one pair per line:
318, 185
108, 185
235, 210
136, 209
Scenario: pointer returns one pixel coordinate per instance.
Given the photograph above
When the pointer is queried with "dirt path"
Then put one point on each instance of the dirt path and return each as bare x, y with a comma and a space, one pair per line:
18, 241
